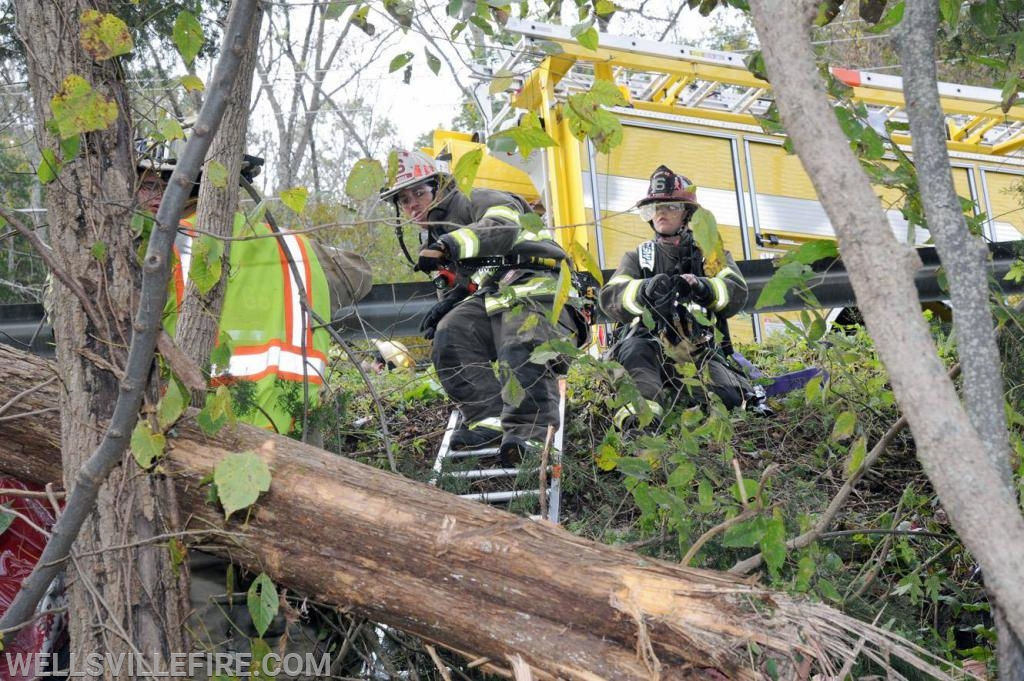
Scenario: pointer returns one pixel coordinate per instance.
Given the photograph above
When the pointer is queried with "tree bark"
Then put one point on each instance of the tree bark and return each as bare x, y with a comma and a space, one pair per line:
970, 485
196, 332
117, 599
964, 258
469, 576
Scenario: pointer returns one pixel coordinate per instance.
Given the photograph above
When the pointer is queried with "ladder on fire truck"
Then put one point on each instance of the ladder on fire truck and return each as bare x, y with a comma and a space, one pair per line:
538, 475
713, 85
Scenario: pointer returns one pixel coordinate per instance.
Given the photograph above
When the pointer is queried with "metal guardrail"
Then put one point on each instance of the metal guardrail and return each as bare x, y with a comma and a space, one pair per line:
395, 310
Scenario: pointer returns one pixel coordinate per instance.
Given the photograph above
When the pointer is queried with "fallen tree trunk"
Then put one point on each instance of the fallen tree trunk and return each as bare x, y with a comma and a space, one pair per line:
461, 573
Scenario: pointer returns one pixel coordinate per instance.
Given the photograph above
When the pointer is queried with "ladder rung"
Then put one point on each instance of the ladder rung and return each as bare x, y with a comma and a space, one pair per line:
493, 497
484, 473
462, 453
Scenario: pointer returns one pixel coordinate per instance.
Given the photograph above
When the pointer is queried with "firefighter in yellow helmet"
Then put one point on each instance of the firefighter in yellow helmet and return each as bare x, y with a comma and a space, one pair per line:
501, 280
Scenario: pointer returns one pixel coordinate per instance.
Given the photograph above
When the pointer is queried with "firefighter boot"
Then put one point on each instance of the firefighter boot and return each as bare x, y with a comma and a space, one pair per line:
478, 435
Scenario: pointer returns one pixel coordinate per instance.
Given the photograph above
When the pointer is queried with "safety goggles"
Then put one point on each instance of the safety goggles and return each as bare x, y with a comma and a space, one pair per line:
649, 210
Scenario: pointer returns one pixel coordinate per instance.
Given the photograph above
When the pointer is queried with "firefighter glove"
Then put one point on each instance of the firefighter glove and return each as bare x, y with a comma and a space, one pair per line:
431, 258
697, 289
429, 324
658, 295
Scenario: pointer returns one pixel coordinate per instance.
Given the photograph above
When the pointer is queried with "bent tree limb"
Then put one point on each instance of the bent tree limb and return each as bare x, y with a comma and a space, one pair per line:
952, 453
147, 326
466, 575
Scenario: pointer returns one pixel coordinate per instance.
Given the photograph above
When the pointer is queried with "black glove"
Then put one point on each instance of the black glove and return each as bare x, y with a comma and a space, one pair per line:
697, 289
658, 295
429, 324
431, 258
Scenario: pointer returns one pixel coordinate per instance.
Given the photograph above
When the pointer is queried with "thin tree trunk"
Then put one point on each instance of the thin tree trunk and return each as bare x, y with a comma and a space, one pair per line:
469, 576
969, 484
196, 331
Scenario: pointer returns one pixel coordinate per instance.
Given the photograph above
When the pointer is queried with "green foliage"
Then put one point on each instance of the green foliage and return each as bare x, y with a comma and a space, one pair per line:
187, 35
263, 603
146, 445
526, 136
366, 179
588, 117
104, 35
240, 478
77, 108
295, 198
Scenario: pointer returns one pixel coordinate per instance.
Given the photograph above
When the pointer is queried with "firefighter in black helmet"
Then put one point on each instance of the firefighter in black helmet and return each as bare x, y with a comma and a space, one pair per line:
688, 298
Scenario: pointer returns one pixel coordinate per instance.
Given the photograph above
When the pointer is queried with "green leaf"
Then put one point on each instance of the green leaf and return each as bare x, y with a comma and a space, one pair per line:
745, 534
366, 179
104, 35
48, 167
986, 16
295, 198
950, 10
433, 63
586, 36
187, 35
531, 222
218, 411
466, 169
550, 48
829, 591
335, 8
147, 446
170, 129
850, 124
708, 238
607, 93
70, 146
890, 19
683, 475
204, 269
604, 8
751, 489
5, 519
857, 453
634, 467
705, 496
812, 251
805, 569
581, 255
843, 427
773, 543
562, 292
77, 108
399, 61
240, 478
216, 173
785, 279
192, 83
528, 135
258, 668
262, 602
171, 405
501, 81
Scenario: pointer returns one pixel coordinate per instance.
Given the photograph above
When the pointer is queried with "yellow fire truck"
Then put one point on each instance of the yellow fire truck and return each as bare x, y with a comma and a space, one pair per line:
694, 110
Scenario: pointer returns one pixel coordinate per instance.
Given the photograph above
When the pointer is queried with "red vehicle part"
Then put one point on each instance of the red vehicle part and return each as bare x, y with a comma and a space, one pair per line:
21, 544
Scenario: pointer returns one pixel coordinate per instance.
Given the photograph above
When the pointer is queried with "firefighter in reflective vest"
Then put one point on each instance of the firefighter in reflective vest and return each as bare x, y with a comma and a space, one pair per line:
501, 279
688, 297
273, 341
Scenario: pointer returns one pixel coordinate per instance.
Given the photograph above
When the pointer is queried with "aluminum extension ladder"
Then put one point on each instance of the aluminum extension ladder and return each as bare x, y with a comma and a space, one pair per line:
481, 474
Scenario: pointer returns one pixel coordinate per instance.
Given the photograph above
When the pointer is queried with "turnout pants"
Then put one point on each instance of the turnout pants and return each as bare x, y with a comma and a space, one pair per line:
655, 375
522, 393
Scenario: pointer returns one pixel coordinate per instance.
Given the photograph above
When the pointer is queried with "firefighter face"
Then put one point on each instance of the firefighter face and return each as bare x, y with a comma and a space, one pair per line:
415, 202
150, 192
667, 216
